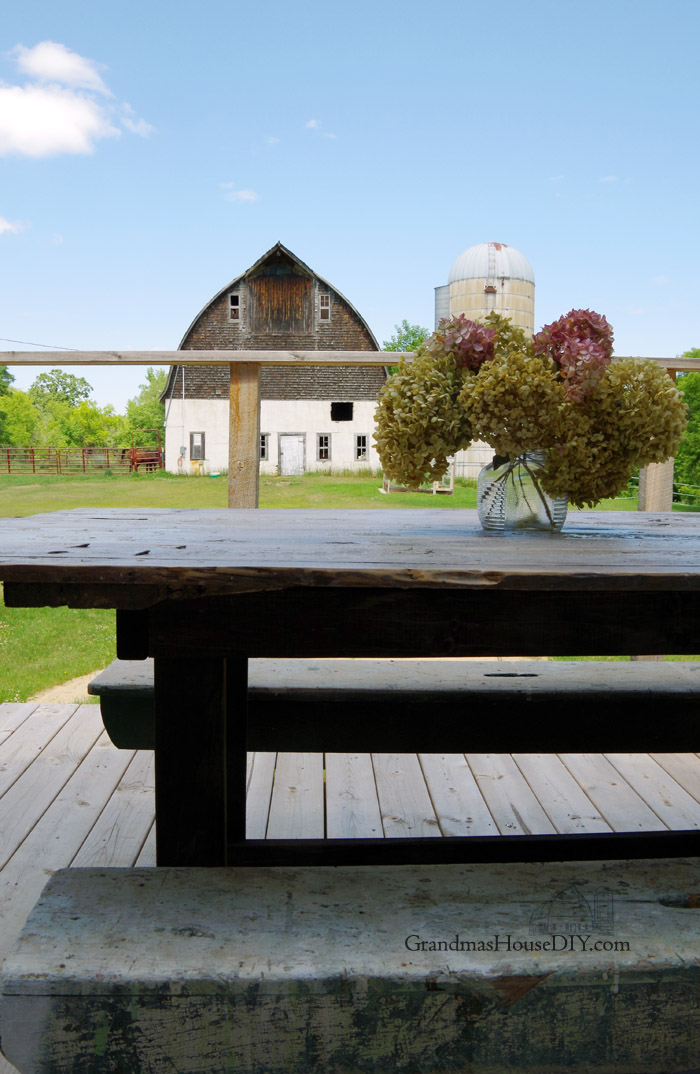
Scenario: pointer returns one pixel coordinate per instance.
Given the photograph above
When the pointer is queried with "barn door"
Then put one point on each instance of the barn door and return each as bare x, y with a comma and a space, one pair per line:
291, 453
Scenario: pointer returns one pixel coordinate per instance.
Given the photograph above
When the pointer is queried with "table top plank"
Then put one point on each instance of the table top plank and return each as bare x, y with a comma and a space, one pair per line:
228, 551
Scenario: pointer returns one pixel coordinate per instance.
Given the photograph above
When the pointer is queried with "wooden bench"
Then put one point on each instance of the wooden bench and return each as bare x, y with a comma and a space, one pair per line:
441, 705
589, 968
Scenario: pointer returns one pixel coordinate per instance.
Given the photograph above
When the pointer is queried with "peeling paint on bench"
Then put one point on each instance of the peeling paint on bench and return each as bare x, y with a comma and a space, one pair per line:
491, 969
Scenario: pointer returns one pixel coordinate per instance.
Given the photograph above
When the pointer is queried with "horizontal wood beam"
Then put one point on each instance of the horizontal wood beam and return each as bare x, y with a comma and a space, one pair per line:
59, 358
220, 357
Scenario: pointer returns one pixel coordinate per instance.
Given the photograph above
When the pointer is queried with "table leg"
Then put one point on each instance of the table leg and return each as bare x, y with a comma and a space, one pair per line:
236, 750
200, 748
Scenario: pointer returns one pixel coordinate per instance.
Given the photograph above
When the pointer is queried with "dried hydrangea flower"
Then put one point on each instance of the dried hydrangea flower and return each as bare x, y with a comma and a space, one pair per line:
419, 421
581, 345
635, 416
514, 403
561, 393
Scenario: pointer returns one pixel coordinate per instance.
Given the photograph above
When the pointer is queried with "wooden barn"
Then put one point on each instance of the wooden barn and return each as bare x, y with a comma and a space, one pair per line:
311, 417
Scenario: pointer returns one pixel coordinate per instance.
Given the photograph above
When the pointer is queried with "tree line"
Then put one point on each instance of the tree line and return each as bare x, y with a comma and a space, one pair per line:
57, 411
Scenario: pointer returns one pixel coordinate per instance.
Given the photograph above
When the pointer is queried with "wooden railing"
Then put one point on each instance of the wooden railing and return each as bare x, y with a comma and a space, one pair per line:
244, 392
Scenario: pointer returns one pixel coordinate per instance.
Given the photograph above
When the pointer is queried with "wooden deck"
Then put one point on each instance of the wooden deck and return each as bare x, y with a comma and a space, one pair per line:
69, 798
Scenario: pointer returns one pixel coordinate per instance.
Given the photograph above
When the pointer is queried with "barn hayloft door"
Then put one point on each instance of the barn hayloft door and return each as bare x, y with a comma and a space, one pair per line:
292, 453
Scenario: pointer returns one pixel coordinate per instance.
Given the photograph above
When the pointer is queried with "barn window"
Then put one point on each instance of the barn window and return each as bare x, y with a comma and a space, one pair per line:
361, 448
324, 306
196, 446
341, 411
234, 307
264, 446
323, 447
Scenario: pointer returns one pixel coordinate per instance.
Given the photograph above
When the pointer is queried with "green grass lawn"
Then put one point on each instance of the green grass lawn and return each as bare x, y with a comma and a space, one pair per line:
45, 646
40, 647
27, 495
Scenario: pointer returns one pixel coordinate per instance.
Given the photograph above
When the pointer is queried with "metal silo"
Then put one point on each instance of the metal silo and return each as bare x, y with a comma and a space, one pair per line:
489, 276
486, 277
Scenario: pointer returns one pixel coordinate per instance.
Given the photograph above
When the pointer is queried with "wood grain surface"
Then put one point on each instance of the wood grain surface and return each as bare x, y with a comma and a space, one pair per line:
219, 551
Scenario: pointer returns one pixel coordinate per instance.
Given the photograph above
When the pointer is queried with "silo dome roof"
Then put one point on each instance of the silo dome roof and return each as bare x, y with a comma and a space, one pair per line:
491, 260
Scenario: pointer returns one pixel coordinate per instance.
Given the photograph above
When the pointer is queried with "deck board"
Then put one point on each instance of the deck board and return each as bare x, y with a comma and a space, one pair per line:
459, 804
673, 804
68, 797
403, 797
612, 796
296, 809
352, 804
509, 797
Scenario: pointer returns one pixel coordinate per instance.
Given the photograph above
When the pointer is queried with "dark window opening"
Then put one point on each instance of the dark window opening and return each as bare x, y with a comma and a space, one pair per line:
323, 447
234, 308
361, 448
264, 446
341, 411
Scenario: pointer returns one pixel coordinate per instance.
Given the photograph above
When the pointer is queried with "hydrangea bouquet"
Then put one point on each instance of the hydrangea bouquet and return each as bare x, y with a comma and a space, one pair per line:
595, 420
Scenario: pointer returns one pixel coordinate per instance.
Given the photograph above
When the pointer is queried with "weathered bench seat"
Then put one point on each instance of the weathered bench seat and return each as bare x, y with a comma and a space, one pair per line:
589, 968
489, 706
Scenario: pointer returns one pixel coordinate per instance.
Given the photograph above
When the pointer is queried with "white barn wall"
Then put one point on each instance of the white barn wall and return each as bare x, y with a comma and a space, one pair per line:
306, 417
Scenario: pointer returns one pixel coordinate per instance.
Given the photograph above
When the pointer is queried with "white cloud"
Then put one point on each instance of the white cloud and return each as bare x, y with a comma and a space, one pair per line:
42, 121
314, 125
661, 280
133, 124
271, 140
10, 227
62, 108
239, 195
609, 179
51, 62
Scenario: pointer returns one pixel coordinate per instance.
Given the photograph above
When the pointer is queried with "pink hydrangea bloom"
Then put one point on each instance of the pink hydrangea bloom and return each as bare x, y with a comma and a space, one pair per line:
472, 344
581, 344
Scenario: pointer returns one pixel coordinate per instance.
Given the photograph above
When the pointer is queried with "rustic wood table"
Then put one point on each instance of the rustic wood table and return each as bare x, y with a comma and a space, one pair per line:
202, 591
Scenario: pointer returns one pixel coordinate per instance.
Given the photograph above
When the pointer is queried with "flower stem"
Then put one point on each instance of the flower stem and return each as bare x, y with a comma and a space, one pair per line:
540, 493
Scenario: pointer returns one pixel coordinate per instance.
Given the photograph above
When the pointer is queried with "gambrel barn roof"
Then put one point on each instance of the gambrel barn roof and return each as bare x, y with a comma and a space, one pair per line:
279, 303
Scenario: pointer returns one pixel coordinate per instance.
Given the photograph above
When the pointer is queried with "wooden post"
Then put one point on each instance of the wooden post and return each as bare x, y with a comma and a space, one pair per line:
656, 487
656, 481
244, 434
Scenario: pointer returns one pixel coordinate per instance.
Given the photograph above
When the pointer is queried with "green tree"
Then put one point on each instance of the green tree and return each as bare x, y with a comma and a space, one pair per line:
19, 420
687, 466
6, 379
407, 337
89, 425
145, 412
59, 386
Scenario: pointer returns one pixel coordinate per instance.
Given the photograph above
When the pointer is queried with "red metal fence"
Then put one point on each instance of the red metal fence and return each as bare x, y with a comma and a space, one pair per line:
87, 460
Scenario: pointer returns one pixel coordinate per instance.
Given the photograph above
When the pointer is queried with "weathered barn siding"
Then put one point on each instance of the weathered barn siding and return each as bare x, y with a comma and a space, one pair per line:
279, 303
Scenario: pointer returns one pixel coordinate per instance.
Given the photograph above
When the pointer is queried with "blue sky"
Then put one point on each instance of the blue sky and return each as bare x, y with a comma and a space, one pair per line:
151, 152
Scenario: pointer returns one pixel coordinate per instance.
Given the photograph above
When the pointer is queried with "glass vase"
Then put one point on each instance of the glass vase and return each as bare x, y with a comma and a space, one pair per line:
510, 496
